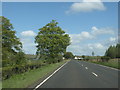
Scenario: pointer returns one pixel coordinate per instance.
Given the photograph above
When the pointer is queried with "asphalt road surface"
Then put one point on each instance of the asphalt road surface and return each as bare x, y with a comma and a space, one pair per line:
80, 74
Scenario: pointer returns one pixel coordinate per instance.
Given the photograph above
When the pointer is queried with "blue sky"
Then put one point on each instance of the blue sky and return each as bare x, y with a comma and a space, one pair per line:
91, 26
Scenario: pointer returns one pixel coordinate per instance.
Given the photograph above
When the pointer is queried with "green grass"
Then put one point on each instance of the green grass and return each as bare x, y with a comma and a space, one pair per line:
0, 85
25, 79
111, 63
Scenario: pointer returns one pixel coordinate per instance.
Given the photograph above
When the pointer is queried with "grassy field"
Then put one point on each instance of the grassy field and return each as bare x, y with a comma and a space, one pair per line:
111, 63
25, 79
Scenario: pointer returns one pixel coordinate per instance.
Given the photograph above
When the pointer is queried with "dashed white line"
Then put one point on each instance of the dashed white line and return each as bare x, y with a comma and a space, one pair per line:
86, 67
49, 76
95, 74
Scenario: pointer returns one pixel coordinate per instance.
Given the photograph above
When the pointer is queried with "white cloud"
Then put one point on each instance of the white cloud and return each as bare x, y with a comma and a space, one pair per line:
28, 33
27, 39
29, 47
87, 49
77, 38
101, 31
86, 42
112, 39
85, 35
96, 46
86, 6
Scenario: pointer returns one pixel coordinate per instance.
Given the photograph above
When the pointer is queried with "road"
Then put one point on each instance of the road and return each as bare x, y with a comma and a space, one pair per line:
80, 74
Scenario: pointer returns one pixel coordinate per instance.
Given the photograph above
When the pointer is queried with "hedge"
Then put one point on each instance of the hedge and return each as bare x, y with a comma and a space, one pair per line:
7, 72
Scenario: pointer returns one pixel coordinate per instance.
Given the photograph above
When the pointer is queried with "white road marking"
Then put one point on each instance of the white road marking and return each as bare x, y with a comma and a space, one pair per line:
86, 67
95, 74
49, 76
82, 64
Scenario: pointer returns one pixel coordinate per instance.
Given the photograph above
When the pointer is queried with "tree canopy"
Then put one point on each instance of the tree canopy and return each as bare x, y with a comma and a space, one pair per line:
113, 51
52, 40
11, 45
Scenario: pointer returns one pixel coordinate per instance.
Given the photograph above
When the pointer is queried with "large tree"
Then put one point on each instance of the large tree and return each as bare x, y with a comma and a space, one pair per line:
52, 41
11, 45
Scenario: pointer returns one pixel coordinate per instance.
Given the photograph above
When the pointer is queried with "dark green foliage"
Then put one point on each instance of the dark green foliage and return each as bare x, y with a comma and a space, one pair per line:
20, 58
105, 58
83, 56
113, 51
118, 51
87, 58
68, 55
93, 53
7, 72
11, 46
52, 41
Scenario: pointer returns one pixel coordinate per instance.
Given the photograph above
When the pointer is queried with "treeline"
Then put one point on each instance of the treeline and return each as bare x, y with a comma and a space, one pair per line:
113, 51
51, 46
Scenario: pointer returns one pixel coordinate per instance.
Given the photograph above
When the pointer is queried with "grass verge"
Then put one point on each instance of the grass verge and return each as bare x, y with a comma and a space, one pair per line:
25, 79
0, 85
111, 63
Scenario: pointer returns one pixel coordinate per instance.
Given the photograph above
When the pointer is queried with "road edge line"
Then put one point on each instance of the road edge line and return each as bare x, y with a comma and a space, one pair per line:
49, 76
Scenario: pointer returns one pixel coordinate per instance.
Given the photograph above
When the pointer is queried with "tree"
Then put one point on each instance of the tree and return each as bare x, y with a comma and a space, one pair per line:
83, 56
11, 45
111, 52
68, 55
52, 41
118, 51
93, 53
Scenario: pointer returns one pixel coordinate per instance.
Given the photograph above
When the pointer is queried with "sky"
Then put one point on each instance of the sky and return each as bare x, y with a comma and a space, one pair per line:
92, 26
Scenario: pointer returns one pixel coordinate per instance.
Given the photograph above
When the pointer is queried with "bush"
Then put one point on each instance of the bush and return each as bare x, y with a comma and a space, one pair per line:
59, 58
7, 72
105, 58
68, 55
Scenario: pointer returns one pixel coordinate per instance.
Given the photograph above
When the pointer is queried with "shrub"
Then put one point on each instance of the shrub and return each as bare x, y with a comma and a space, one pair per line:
105, 58
7, 72
68, 55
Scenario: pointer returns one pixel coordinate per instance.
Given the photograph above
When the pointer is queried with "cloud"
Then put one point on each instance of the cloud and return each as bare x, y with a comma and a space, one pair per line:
86, 6
77, 38
96, 46
86, 42
27, 39
94, 33
29, 47
28, 33
87, 49
112, 39
102, 31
